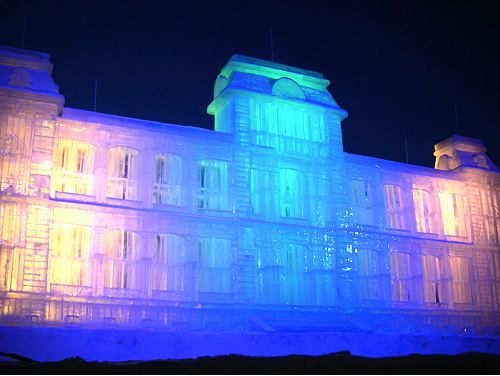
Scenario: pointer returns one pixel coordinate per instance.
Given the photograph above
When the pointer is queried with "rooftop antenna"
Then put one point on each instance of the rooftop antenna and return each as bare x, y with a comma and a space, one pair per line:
95, 95
272, 46
406, 149
456, 118
24, 26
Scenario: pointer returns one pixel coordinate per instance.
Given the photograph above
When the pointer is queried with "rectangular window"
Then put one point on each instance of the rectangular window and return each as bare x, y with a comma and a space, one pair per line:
460, 275
213, 185
294, 268
167, 183
123, 173
260, 183
425, 212
168, 263
405, 282
69, 257
12, 160
119, 253
491, 215
291, 190
434, 288
74, 167
214, 265
395, 207
370, 275
363, 202
452, 208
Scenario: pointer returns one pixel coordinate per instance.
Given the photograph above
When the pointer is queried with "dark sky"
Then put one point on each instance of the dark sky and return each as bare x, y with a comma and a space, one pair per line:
397, 67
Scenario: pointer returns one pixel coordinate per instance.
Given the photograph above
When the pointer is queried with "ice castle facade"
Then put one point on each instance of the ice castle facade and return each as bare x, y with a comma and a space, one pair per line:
263, 224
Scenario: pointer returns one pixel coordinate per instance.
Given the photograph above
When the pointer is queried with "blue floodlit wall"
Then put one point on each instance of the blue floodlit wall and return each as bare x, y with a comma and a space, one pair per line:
263, 224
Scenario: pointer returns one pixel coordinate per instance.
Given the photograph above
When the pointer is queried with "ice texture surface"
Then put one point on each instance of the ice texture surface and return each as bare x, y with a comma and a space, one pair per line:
263, 225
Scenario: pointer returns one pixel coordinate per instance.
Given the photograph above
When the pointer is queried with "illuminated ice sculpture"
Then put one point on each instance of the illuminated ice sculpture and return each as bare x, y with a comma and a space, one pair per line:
263, 224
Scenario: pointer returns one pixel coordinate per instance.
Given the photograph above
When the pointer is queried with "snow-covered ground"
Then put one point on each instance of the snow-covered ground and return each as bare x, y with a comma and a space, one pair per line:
53, 344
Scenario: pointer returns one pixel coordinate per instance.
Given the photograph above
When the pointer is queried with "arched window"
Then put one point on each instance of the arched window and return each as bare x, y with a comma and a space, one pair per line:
120, 254
123, 173
74, 167
167, 183
169, 257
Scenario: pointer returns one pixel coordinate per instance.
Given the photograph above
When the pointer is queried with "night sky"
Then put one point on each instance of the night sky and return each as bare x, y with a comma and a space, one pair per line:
397, 67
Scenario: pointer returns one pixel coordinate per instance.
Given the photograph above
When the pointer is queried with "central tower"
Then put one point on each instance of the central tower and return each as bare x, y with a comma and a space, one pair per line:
289, 178
288, 136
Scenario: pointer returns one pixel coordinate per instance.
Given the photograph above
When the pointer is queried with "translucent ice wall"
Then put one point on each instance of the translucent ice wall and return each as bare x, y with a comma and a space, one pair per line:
115, 221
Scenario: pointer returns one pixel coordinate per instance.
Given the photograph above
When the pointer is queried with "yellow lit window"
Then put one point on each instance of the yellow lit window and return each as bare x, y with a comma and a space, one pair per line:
491, 215
70, 247
460, 275
452, 208
74, 167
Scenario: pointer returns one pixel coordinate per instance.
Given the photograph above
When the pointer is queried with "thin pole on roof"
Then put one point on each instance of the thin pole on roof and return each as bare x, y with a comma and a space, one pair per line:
406, 149
456, 117
272, 46
95, 95
24, 26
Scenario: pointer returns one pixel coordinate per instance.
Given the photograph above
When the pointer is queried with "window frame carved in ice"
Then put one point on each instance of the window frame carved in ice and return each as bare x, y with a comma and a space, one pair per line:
70, 247
213, 184
214, 265
291, 193
435, 279
167, 187
12, 162
405, 278
371, 271
395, 207
425, 211
74, 167
169, 258
120, 253
123, 173
364, 200
461, 279
453, 209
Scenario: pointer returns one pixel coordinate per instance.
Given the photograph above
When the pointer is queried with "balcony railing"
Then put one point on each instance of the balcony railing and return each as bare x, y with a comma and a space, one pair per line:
121, 293
69, 290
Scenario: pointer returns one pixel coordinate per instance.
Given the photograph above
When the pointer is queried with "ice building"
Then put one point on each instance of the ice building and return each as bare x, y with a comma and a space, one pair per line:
263, 224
